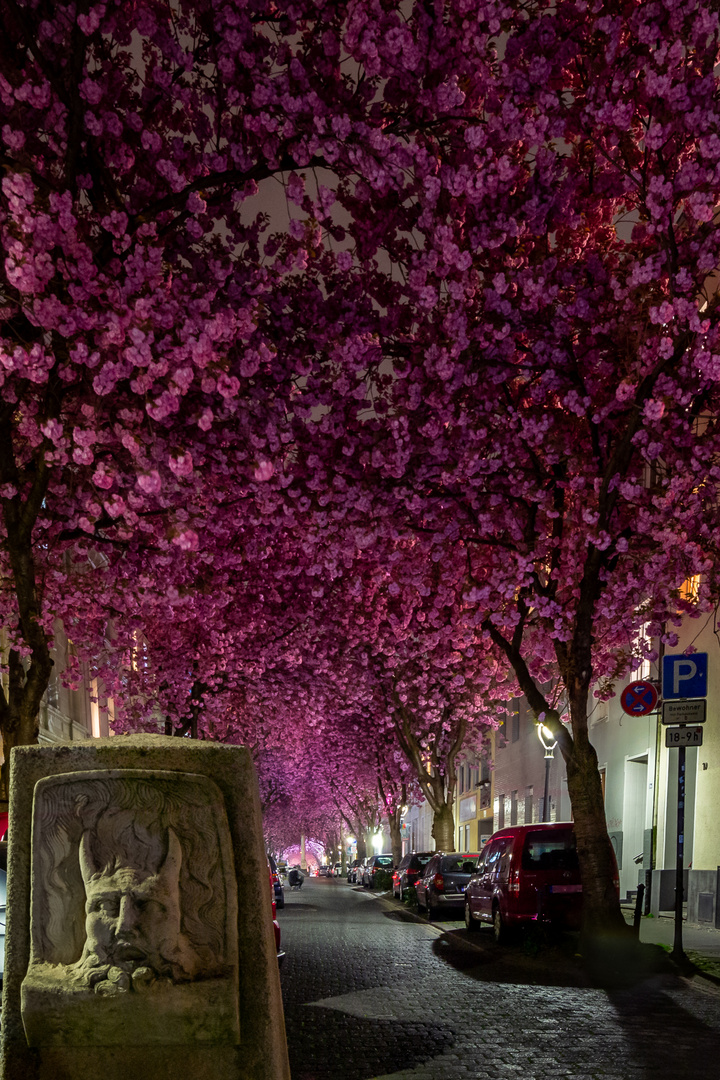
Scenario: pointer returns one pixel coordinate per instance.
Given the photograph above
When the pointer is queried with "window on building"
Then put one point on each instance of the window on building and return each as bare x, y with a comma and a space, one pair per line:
528, 805
484, 785
513, 807
485, 830
501, 812
467, 838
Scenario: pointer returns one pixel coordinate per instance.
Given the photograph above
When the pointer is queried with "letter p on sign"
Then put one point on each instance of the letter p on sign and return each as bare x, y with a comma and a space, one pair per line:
684, 676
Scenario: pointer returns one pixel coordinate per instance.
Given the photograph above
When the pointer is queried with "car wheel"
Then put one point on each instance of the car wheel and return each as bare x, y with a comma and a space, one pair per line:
471, 923
500, 932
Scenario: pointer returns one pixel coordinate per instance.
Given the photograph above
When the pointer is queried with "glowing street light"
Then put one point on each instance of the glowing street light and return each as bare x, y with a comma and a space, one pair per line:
549, 742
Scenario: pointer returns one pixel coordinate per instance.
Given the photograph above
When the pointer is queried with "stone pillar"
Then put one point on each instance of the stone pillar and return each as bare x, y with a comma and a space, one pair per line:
303, 856
139, 932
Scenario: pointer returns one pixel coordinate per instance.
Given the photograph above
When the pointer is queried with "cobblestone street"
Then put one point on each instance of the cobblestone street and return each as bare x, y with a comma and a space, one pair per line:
372, 993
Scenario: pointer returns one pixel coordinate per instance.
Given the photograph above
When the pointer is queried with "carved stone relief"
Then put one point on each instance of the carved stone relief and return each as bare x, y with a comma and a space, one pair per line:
134, 911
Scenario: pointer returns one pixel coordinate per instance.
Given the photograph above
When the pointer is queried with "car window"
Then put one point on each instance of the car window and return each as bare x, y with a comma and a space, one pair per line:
384, 860
492, 854
419, 861
550, 850
431, 866
458, 864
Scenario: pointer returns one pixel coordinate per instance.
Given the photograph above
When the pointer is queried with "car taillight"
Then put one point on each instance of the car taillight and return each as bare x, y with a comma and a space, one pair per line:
439, 882
274, 909
514, 886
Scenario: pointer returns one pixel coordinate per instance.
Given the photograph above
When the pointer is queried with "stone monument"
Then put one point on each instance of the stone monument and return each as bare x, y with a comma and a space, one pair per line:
133, 947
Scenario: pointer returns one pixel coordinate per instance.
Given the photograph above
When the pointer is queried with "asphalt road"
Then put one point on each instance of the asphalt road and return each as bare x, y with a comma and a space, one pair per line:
372, 993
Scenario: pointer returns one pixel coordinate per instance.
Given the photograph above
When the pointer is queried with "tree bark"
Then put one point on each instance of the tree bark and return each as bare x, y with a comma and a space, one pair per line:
395, 835
443, 829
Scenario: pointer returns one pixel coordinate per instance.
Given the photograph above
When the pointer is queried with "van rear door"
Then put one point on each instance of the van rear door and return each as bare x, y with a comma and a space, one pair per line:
549, 879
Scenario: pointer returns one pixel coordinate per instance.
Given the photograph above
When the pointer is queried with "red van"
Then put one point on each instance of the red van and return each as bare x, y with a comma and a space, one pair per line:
528, 873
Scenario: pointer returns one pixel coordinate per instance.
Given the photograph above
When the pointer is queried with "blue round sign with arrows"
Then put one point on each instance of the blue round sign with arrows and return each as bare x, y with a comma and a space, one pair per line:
639, 698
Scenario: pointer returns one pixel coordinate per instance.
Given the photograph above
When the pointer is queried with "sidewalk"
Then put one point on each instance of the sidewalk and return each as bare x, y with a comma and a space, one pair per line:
701, 943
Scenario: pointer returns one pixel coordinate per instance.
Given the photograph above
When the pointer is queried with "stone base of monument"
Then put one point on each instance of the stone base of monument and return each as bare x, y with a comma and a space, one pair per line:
132, 947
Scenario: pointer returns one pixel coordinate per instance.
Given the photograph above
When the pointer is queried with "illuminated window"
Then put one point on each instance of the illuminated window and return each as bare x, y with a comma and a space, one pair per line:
690, 589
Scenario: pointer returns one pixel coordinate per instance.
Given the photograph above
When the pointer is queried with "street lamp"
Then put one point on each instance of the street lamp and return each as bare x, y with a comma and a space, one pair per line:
549, 742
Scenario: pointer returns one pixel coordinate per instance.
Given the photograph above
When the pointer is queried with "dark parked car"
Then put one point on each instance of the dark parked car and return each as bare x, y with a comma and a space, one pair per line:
527, 874
441, 887
278, 890
276, 924
374, 864
409, 870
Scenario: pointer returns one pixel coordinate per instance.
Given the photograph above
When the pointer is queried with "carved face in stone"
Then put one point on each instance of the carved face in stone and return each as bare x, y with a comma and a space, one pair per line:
133, 918
133, 922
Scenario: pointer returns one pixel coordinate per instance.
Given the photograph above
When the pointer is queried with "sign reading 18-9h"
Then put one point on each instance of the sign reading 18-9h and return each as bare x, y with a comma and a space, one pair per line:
684, 676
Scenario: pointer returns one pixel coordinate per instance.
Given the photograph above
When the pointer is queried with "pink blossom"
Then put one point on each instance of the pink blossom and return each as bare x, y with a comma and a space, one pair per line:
264, 470
150, 483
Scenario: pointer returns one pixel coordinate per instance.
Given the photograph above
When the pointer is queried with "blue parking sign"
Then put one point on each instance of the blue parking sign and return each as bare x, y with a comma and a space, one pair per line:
684, 676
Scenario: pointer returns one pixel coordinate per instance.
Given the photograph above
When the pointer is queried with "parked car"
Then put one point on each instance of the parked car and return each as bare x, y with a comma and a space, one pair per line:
325, 871
408, 871
276, 924
353, 868
527, 874
337, 869
373, 865
278, 890
441, 886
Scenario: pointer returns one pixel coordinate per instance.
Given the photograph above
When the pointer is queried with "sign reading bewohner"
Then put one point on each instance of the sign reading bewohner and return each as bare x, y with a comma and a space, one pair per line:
684, 712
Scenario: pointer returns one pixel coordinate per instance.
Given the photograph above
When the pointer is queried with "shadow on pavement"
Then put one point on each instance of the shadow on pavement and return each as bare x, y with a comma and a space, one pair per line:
482, 959
546, 960
670, 1041
325, 1044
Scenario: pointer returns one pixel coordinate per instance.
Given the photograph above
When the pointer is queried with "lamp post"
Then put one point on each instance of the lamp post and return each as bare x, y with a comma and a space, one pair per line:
549, 742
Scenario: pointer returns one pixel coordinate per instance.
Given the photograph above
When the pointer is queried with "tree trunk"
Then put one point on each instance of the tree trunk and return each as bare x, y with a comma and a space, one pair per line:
19, 708
361, 841
443, 829
601, 904
395, 835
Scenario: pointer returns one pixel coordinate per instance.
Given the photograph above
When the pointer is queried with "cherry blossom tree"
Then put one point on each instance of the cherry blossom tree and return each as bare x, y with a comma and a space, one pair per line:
489, 321
554, 421
158, 325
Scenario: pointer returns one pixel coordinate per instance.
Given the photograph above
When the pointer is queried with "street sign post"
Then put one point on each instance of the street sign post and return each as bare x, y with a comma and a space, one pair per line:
684, 712
683, 736
684, 676
639, 698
